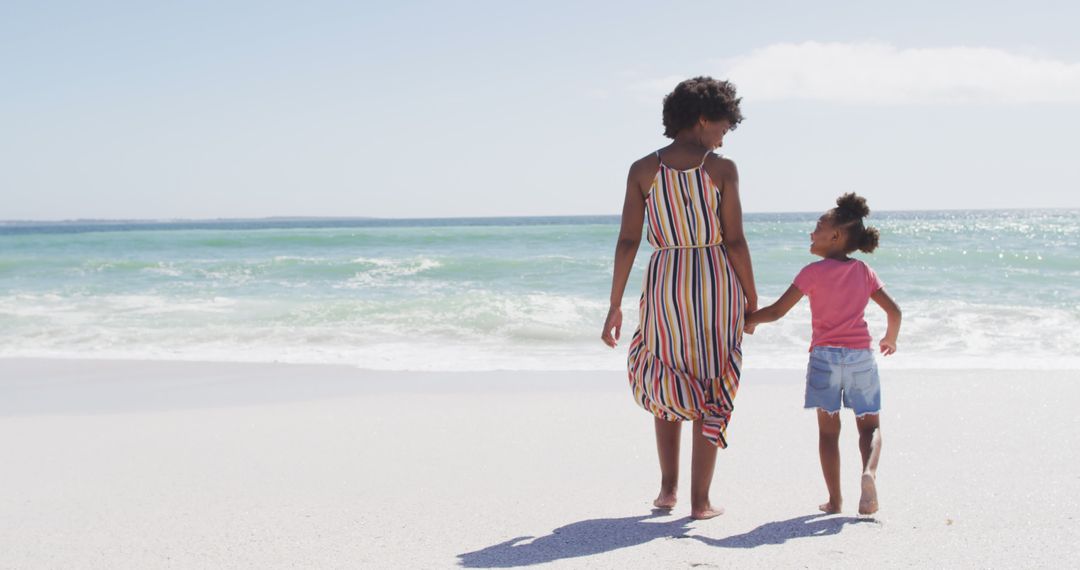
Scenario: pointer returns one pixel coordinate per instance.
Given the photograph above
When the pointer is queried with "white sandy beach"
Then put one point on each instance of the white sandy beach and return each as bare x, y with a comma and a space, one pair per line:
109, 464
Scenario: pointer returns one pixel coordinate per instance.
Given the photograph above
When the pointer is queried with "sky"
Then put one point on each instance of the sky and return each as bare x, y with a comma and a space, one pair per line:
155, 110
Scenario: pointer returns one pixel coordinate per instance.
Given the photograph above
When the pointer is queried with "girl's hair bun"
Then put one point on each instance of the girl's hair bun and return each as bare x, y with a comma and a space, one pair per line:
868, 241
853, 205
848, 215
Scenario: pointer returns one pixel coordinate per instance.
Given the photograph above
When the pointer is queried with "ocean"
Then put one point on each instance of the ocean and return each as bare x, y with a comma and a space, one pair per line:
979, 289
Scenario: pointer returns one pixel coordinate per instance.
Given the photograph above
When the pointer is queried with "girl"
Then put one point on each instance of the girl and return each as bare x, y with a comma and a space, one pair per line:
842, 367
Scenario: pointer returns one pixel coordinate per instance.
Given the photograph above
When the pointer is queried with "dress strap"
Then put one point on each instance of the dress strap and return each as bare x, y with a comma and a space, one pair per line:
704, 158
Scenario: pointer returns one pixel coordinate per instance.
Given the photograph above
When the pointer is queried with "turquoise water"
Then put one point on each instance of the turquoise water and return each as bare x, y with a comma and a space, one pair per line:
998, 289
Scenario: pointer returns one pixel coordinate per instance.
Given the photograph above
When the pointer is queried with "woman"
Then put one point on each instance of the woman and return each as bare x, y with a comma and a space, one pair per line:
685, 357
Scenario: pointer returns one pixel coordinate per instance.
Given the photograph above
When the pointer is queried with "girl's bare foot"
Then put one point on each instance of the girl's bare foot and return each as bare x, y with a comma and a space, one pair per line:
706, 512
665, 500
831, 507
868, 502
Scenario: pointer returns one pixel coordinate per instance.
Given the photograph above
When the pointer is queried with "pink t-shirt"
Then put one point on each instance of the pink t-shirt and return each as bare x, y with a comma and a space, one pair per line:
839, 292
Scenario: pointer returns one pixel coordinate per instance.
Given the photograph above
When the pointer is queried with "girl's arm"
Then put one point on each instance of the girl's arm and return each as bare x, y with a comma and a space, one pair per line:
778, 309
633, 217
888, 344
724, 171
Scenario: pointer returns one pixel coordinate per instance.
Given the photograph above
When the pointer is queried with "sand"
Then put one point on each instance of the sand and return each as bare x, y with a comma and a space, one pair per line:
107, 464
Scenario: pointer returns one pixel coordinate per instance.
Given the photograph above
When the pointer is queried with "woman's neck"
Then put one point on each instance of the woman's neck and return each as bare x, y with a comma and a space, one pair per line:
689, 141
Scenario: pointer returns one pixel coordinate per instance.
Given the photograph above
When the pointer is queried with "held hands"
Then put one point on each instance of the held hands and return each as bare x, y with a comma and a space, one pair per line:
749, 324
612, 322
888, 346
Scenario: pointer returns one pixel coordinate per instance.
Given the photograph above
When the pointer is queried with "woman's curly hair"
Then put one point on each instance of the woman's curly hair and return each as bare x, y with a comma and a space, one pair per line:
848, 217
700, 97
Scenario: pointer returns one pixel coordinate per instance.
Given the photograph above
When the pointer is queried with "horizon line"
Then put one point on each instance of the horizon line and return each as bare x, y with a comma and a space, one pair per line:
483, 217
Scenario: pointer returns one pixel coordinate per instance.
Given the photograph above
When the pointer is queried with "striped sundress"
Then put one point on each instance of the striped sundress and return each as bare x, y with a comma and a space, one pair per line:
685, 356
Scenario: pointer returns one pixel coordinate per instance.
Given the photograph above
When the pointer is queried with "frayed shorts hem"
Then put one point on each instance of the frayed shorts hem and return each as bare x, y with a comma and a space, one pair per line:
837, 411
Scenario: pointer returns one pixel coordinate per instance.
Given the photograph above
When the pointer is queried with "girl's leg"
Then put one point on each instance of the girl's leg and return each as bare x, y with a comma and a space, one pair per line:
829, 451
667, 449
702, 465
870, 448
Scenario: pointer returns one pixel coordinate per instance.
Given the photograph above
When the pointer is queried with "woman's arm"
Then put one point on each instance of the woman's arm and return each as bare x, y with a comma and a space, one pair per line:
633, 217
778, 309
724, 171
892, 310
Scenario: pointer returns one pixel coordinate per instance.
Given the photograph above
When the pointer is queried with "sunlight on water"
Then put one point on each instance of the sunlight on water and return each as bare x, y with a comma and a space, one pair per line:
979, 289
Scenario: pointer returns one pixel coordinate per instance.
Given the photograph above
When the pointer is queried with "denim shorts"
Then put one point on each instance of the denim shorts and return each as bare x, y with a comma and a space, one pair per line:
849, 375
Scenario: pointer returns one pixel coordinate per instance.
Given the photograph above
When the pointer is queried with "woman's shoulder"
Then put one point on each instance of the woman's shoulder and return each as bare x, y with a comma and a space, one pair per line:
645, 168
650, 161
718, 165
721, 159
643, 172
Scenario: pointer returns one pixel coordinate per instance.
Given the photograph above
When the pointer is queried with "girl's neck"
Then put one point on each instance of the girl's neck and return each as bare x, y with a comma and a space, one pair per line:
837, 256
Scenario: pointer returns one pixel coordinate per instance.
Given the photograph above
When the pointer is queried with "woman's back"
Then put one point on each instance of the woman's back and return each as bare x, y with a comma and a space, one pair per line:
683, 207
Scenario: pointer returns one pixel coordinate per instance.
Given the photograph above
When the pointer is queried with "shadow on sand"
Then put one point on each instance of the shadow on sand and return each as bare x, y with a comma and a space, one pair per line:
780, 532
595, 536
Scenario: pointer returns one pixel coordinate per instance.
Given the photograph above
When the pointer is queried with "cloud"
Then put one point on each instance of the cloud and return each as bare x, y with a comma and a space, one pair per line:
881, 74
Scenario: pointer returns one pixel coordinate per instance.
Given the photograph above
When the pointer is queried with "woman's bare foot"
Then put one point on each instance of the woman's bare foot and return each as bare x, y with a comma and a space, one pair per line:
831, 507
868, 502
706, 512
665, 500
